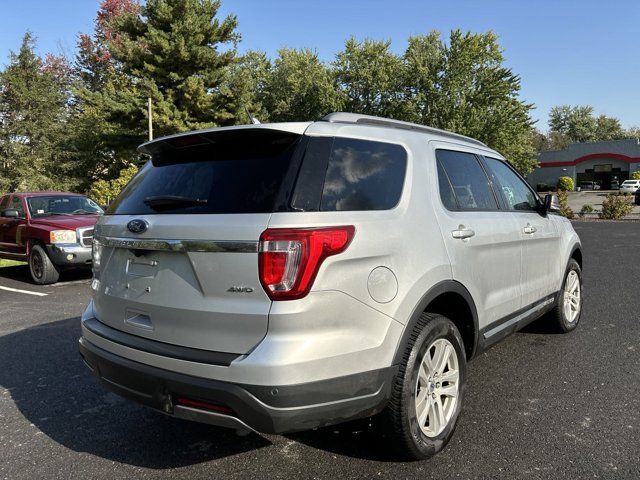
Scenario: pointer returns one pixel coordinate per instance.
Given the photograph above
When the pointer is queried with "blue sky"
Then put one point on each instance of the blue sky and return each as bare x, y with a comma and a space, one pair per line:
567, 52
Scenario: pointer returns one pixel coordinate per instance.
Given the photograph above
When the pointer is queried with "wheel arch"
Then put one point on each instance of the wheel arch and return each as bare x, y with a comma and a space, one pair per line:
453, 300
576, 254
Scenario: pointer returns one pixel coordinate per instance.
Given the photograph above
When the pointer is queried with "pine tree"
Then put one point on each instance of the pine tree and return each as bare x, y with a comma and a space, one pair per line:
33, 114
176, 52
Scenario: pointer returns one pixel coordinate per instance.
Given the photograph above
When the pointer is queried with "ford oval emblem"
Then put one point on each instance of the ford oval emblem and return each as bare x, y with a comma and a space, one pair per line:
138, 225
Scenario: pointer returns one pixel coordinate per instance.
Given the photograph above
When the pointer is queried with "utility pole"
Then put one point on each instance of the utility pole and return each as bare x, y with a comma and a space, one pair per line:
150, 119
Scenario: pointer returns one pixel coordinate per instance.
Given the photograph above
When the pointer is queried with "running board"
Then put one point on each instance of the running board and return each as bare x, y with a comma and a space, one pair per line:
511, 324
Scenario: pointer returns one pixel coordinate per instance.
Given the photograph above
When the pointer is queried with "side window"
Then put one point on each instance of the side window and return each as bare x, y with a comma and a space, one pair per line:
446, 190
517, 195
363, 175
3, 202
16, 202
466, 177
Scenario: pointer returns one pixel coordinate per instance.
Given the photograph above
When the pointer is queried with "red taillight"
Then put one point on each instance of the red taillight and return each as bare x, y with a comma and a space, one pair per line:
289, 258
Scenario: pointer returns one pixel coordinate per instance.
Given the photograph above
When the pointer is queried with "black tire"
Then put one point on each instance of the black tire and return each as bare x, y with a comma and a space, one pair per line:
557, 316
42, 269
401, 419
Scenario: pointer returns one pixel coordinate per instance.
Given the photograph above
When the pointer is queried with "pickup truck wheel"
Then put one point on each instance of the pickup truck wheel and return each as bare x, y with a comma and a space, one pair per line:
43, 271
566, 313
427, 395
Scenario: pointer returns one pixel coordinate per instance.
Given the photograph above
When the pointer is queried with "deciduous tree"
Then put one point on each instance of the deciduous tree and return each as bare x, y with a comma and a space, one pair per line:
300, 87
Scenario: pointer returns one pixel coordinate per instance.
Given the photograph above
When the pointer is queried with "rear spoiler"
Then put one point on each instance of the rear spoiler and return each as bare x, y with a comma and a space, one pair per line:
220, 136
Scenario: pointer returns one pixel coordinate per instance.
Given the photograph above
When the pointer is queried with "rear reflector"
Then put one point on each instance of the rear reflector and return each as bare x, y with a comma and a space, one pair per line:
187, 402
289, 258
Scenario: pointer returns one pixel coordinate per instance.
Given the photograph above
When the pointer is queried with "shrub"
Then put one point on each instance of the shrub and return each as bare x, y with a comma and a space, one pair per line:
635, 176
616, 206
563, 200
104, 192
566, 184
586, 208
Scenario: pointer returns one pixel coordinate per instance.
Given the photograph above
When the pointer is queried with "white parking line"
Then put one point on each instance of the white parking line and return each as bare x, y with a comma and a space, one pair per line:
38, 294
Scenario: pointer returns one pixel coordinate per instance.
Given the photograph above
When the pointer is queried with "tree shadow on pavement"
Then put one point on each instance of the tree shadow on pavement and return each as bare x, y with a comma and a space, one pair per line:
50, 386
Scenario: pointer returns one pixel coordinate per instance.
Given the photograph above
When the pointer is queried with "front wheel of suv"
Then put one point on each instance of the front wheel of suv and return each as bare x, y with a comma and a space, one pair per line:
566, 313
427, 395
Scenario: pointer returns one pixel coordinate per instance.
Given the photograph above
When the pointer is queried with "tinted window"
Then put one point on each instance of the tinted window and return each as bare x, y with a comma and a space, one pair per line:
517, 195
235, 171
3, 202
16, 202
363, 175
467, 178
446, 190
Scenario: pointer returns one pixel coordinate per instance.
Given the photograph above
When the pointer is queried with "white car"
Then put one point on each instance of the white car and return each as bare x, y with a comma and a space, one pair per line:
630, 186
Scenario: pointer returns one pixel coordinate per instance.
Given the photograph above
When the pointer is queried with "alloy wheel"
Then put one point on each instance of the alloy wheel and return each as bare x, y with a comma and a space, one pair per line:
437, 387
572, 292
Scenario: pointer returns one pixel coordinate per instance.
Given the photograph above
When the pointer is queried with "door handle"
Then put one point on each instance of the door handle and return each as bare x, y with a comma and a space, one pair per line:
463, 232
529, 229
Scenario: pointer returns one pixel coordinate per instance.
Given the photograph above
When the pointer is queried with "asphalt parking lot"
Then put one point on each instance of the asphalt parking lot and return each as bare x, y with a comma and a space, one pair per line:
538, 405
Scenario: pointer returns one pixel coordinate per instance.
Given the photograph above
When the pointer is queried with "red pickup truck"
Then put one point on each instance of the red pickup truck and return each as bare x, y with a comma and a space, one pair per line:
53, 231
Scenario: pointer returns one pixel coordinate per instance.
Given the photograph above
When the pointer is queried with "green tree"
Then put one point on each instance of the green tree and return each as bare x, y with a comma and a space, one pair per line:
177, 52
245, 83
463, 86
609, 128
579, 124
299, 87
103, 141
369, 75
103, 191
424, 63
33, 115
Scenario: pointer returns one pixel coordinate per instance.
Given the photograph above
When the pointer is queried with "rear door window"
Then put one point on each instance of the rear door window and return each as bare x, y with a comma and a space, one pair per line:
234, 171
467, 179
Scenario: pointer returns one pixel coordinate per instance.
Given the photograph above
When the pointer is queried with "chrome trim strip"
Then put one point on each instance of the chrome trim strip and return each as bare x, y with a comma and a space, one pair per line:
82, 237
227, 246
514, 320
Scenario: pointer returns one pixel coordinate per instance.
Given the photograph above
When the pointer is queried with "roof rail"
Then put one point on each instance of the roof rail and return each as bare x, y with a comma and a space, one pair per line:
346, 117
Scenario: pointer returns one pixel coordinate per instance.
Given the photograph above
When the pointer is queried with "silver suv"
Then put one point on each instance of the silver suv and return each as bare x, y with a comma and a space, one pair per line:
282, 277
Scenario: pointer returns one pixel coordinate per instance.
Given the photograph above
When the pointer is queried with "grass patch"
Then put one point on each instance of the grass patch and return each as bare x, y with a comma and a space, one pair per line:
10, 263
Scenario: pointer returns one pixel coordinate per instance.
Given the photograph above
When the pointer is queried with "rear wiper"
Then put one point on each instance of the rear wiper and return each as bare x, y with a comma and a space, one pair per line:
168, 202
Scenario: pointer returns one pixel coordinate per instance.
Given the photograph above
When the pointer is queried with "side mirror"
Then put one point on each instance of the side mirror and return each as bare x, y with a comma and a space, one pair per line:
551, 203
10, 213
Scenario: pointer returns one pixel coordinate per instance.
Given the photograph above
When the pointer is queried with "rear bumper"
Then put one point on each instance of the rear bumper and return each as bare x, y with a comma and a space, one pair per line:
262, 408
71, 255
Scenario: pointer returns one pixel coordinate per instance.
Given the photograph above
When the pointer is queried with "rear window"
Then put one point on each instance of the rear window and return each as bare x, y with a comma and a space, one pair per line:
235, 171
